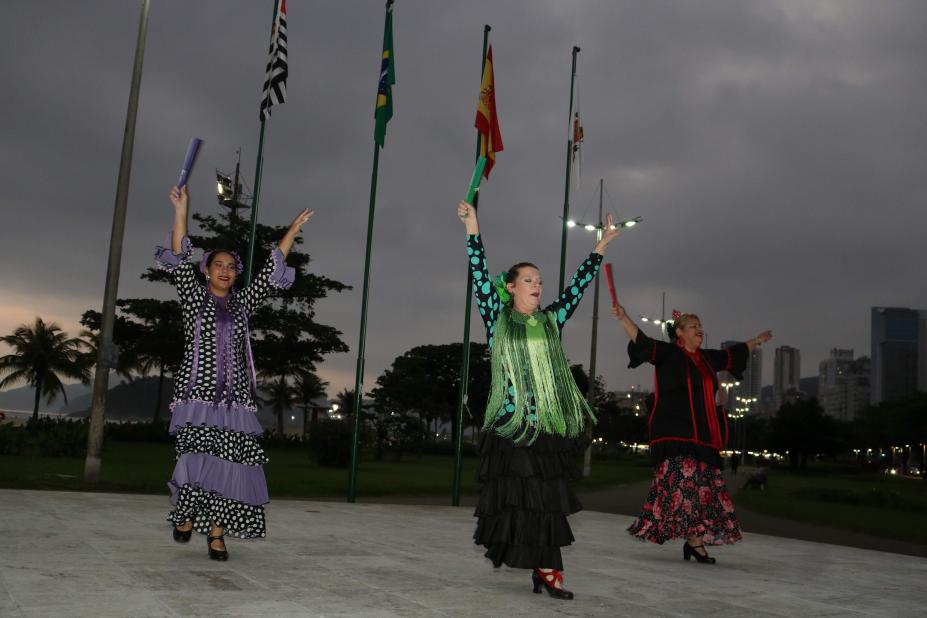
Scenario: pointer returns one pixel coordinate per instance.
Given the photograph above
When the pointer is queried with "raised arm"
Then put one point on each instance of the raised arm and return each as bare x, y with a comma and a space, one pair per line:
180, 200
174, 257
275, 274
630, 328
759, 340
641, 348
566, 303
487, 299
286, 243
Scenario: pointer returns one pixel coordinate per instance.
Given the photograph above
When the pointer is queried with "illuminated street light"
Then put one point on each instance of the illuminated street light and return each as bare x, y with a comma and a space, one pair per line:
591, 227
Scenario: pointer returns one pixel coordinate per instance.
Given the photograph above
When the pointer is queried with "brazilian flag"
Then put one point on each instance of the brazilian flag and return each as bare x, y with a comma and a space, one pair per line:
384, 109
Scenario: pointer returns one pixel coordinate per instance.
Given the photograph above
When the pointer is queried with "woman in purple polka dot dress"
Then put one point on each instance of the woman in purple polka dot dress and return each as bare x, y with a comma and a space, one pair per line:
218, 486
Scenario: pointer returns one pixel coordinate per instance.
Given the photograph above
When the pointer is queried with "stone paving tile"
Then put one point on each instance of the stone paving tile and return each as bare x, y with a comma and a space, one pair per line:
113, 555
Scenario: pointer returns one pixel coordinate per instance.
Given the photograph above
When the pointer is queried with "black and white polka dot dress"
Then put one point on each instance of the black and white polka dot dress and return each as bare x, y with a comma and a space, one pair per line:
219, 473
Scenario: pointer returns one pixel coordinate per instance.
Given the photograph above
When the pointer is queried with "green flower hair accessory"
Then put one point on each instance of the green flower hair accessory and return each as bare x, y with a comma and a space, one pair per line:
501, 290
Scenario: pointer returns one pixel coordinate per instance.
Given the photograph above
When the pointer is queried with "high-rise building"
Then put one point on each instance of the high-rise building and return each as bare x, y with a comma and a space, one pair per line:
895, 339
843, 384
786, 374
753, 376
749, 387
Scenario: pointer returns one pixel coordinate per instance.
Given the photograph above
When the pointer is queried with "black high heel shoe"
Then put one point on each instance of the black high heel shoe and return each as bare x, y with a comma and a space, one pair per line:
541, 581
688, 551
182, 536
216, 554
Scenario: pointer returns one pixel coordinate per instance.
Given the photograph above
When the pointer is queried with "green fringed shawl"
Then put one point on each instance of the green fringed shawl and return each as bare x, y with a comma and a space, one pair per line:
528, 363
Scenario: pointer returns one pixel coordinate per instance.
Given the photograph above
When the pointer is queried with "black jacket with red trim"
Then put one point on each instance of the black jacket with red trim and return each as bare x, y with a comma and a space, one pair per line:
684, 419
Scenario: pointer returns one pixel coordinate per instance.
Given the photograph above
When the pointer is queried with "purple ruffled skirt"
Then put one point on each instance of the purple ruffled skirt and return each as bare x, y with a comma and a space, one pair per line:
219, 475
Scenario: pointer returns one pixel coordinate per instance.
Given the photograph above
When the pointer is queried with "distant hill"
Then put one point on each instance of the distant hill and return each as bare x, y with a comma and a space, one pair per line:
23, 398
133, 400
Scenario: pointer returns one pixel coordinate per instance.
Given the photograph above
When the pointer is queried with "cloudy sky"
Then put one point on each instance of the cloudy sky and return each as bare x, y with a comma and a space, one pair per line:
775, 150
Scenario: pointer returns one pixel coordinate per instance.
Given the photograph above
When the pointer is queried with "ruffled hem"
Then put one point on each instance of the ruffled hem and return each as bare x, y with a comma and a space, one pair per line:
231, 480
687, 498
167, 259
525, 499
524, 528
228, 417
236, 447
525, 556
245, 521
283, 276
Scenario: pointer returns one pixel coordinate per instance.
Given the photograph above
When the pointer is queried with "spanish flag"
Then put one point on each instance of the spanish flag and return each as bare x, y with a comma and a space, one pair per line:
487, 122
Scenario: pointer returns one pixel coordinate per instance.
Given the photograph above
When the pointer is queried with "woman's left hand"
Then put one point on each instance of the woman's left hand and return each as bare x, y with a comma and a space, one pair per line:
763, 337
609, 234
300, 220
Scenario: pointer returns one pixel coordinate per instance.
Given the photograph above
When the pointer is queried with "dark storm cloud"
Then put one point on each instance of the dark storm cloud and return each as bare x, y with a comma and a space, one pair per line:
773, 148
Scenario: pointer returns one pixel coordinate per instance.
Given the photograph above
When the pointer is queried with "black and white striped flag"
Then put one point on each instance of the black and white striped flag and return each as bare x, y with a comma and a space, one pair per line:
275, 84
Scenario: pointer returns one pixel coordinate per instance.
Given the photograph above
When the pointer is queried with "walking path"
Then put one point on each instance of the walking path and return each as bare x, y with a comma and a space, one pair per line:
94, 554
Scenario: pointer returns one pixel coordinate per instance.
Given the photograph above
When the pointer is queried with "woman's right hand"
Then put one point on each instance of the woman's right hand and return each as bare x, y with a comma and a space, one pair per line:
179, 198
618, 312
467, 213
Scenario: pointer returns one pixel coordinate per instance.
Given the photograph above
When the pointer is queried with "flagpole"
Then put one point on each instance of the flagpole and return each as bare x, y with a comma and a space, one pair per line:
465, 352
359, 376
566, 190
105, 351
258, 168
590, 391
362, 338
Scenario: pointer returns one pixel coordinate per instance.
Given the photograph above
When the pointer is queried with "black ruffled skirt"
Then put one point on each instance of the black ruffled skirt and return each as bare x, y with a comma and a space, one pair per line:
525, 497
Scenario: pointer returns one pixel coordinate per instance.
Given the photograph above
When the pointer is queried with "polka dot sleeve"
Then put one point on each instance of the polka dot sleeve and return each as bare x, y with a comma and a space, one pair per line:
274, 275
487, 300
569, 298
183, 273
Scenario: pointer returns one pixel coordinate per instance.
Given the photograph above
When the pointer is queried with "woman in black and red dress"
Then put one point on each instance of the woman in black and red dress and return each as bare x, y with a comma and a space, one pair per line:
688, 498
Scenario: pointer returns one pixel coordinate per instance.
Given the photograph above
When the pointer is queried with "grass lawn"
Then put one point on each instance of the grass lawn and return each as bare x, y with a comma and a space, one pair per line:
875, 504
146, 467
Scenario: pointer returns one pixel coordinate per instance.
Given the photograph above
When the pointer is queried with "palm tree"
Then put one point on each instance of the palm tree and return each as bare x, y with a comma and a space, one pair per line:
308, 387
281, 395
42, 355
345, 401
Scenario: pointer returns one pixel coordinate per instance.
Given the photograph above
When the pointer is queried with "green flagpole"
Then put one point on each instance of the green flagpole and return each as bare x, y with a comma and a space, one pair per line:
359, 377
382, 114
258, 168
465, 353
566, 191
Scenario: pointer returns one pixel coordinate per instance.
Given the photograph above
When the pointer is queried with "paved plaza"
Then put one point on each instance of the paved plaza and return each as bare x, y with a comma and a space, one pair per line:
93, 554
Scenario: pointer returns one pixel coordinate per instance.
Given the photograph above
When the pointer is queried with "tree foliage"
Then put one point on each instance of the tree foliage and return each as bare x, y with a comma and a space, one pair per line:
425, 381
42, 355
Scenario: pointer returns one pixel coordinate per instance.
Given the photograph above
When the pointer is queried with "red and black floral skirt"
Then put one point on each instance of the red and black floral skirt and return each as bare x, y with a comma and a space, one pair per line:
687, 498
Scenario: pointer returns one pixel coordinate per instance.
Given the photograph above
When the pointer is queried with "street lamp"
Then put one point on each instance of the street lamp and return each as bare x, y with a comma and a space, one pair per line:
598, 229
591, 227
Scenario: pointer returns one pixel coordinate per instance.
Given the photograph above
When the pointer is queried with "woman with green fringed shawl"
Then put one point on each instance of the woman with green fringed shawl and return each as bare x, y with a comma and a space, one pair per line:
535, 417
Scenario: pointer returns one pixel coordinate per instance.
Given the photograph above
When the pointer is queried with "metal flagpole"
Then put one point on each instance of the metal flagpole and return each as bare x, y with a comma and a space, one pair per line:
362, 338
566, 190
359, 377
106, 350
258, 168
465, 353
590, 391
